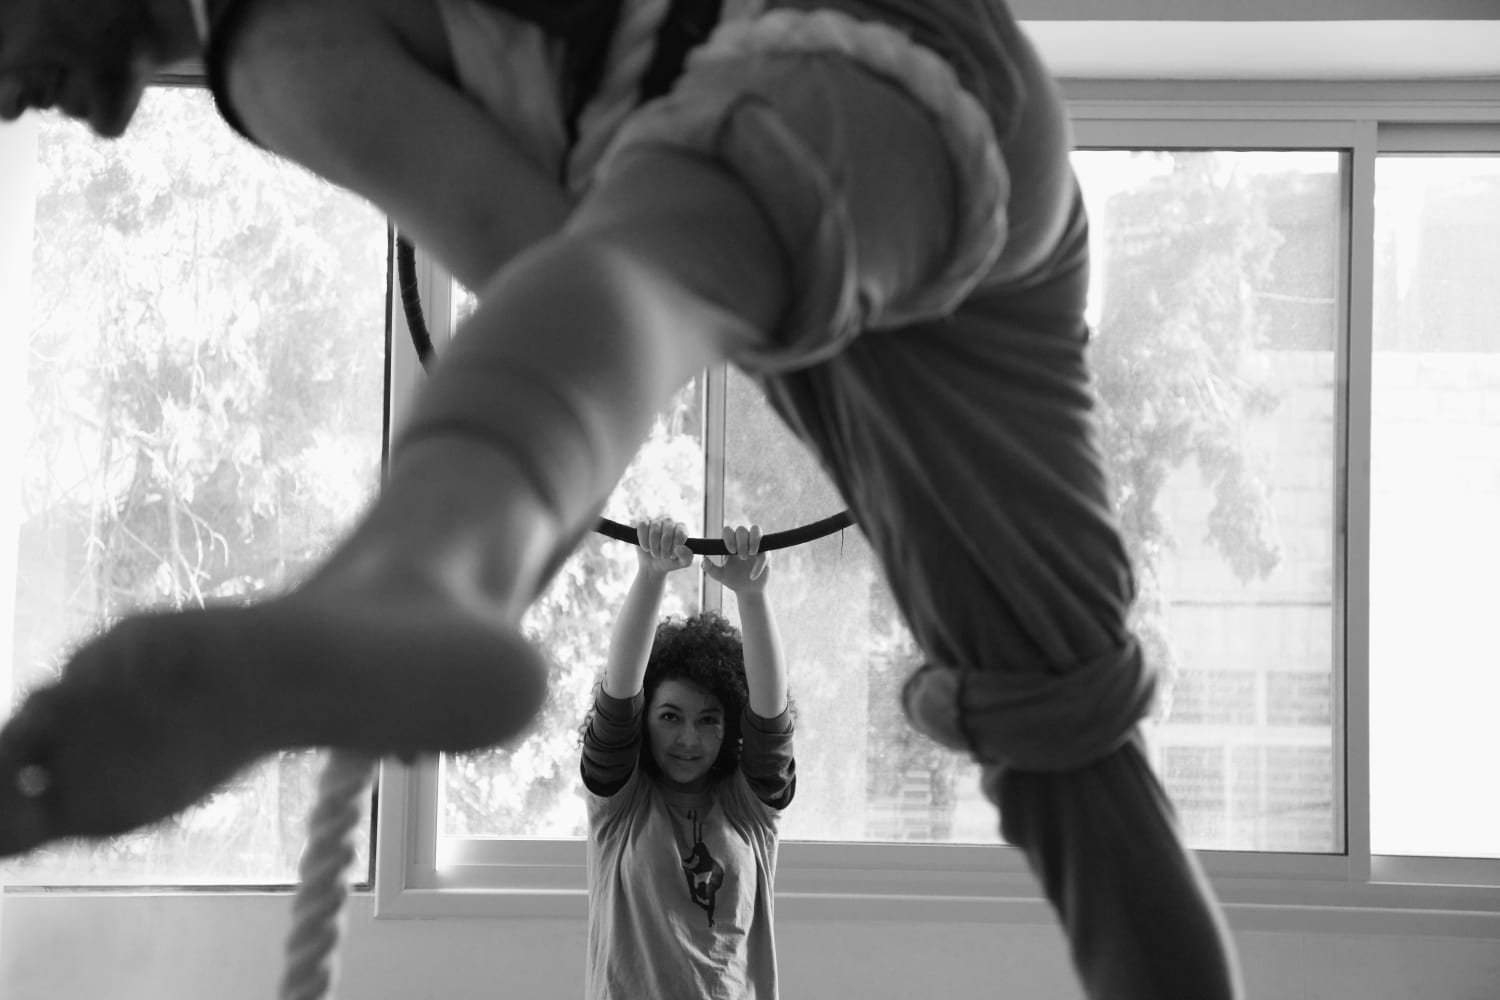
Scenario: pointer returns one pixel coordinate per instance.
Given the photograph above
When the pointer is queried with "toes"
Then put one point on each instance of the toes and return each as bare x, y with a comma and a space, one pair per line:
23, 822
27, 791
114, 744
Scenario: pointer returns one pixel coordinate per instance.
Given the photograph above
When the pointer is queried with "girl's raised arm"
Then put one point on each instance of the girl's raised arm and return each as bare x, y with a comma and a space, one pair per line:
663, 549
746, 571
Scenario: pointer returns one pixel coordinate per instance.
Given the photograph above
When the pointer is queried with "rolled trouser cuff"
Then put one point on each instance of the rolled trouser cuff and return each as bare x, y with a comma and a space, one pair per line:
1033, 721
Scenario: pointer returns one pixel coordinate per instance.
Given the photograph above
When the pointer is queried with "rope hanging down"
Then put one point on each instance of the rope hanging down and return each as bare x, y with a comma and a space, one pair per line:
421, 339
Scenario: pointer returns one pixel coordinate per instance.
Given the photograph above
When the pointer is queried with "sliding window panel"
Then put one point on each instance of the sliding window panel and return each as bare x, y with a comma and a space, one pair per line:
1435, 494
1217, 312
196, 413
1215, 303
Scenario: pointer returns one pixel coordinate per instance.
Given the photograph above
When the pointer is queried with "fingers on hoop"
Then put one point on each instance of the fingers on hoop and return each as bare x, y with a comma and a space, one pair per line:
664, 538
742, 541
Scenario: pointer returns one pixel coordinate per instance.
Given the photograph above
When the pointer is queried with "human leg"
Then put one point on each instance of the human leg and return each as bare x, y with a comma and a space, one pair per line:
1137, 908
966, 444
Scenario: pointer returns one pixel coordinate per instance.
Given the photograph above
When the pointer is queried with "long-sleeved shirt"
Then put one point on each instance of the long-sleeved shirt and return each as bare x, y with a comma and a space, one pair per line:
681, 884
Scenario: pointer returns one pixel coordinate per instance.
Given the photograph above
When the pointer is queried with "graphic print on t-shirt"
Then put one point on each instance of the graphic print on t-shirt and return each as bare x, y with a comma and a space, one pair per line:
704, 873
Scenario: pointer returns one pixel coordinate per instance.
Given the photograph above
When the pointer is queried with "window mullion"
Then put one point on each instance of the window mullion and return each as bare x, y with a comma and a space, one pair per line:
715, 419
1355, 468
410, 798
1333, 878
18, 162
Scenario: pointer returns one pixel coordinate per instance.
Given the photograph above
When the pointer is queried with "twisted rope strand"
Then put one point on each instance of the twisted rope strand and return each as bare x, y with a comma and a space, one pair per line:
630, 54
982, 177
317, 911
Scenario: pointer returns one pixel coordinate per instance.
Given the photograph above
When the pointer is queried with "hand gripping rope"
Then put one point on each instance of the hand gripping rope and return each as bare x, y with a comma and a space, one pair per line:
345, 783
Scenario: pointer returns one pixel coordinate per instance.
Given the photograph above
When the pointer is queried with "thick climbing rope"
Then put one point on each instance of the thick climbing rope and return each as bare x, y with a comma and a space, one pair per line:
982, 183
323, 876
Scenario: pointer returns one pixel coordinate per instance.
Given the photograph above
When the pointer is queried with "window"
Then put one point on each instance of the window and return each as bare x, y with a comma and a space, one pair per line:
1228, 500
1241, 302
196, 404
1219, 401
1216, 313
1294, 342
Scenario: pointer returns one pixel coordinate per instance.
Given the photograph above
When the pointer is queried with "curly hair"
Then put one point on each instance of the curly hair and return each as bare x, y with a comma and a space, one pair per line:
706, 650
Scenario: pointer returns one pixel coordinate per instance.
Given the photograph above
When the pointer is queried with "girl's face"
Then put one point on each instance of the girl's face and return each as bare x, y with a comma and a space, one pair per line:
685, 725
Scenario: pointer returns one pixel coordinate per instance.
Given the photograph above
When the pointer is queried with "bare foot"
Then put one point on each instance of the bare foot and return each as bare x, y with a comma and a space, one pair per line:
162, 709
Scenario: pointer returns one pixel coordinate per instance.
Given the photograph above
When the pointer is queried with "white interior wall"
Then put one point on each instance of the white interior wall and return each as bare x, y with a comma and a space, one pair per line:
228, 948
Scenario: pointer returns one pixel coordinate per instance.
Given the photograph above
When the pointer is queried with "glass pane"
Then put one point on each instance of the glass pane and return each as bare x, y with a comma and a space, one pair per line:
863, 774
197, 413
1435, 489
1218, 401
1216, 312
1215, 308
532, 787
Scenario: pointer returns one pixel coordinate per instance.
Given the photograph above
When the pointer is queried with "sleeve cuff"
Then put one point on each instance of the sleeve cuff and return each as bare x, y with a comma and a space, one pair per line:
619, 710
781, 725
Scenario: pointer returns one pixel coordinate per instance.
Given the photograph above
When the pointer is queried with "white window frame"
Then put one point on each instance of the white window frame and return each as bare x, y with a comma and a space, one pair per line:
1355, 891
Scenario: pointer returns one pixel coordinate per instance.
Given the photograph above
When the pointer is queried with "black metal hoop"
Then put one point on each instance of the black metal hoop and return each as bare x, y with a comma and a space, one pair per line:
715, 546
421, 339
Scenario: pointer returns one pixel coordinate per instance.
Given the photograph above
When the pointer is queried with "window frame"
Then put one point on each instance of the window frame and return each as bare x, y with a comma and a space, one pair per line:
1353, 891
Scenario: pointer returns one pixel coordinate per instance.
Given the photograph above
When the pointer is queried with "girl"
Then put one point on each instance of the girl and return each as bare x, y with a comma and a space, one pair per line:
687, 758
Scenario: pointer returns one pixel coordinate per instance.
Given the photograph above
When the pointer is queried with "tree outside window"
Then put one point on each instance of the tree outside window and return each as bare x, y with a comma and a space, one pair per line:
203, 409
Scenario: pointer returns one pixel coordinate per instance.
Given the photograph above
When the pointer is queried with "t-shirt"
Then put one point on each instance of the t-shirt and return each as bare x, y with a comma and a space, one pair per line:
680, 884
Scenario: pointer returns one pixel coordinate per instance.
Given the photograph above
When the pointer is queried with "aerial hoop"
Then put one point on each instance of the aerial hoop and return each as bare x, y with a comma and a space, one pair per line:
716, 547
421, 340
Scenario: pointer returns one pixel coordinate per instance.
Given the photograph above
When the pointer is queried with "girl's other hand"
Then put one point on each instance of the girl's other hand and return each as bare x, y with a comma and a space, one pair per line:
746, 569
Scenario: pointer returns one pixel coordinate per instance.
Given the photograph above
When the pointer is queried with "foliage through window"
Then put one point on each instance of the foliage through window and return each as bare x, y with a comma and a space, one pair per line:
198, 405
